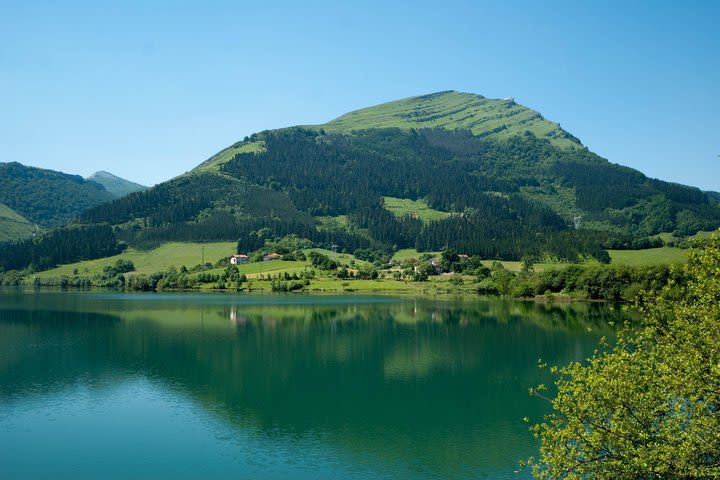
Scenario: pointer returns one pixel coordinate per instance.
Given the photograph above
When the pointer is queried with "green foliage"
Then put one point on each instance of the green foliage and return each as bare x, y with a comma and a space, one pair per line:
11, 278
120, 266
62, 245
322, 262
649, 406
502, 280
287, 244
372, 255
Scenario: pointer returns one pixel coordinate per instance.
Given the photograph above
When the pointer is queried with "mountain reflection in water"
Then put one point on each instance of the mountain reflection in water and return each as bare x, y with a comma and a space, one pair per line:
284, 386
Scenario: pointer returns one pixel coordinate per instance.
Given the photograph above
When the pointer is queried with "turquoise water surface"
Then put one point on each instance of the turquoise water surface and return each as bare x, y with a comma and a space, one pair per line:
112, 385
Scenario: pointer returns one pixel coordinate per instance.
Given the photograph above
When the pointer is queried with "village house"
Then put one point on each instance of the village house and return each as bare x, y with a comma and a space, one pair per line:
272, 256
239, 259
436, 265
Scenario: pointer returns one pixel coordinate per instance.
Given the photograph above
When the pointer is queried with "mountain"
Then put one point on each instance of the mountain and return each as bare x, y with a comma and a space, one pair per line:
446, 170
13, 226
46, 197
119, 187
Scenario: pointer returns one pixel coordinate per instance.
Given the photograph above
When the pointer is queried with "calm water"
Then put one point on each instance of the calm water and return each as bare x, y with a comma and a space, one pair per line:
280, 387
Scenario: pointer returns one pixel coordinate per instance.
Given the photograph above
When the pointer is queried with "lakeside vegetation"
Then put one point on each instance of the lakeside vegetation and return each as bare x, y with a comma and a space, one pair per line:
648, 406
304, 267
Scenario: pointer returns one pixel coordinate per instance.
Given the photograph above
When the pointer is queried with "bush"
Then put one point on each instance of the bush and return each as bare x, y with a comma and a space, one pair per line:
647, 407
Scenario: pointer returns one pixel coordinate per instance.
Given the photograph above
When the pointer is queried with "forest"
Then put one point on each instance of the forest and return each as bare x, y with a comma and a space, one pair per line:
46, 197
330, 188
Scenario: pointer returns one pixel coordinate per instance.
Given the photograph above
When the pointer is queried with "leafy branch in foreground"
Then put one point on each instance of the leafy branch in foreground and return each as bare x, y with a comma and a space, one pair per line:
649, 408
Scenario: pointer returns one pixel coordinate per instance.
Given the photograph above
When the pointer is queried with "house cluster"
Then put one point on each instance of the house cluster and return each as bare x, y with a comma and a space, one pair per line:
241, 258
436, 264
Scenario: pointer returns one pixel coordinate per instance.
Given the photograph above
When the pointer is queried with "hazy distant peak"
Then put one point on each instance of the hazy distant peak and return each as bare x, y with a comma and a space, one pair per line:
116, 185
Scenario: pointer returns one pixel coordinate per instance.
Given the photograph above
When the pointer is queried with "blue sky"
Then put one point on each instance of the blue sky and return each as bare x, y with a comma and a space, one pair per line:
147, 90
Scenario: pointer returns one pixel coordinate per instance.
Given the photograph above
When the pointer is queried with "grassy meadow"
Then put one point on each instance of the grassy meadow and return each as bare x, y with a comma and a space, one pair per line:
177, 254
155, 260
650, 256
13, 226
415, 208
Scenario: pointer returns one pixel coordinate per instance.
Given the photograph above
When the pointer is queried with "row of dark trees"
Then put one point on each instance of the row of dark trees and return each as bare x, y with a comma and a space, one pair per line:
62, 245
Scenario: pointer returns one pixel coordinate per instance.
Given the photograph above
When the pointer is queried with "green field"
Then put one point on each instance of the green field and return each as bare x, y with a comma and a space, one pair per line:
13, 226
408, 253
438, 285
342, 258
251, 270
651, 256
415, 208
328, 223
667, 237
156, 260
190, 254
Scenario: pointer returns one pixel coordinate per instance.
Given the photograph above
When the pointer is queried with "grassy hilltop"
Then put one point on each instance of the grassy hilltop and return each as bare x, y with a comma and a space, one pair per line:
451, 110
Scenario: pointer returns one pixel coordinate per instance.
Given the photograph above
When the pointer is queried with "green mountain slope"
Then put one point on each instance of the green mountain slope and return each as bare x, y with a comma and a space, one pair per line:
715, 196
119, 187
46, 197
451, 110
13, 226
446, 170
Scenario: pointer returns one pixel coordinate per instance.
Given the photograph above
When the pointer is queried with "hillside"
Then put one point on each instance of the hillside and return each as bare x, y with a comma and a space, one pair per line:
119, 187
446, 170
13, 226
46, 197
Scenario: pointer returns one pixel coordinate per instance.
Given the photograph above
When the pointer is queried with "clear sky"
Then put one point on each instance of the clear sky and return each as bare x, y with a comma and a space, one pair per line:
149, 89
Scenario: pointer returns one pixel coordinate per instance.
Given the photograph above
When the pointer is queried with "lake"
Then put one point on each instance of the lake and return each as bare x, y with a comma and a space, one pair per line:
182, 385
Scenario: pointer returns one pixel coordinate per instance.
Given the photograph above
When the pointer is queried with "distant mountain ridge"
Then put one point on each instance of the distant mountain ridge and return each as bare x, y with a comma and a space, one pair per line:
119, 187
47, 197
34, 199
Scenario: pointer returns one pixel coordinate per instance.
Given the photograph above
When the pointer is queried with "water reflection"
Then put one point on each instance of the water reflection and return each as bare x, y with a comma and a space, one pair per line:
387, 387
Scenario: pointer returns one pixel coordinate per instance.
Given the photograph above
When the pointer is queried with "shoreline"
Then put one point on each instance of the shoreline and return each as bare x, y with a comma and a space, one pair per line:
409, 293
